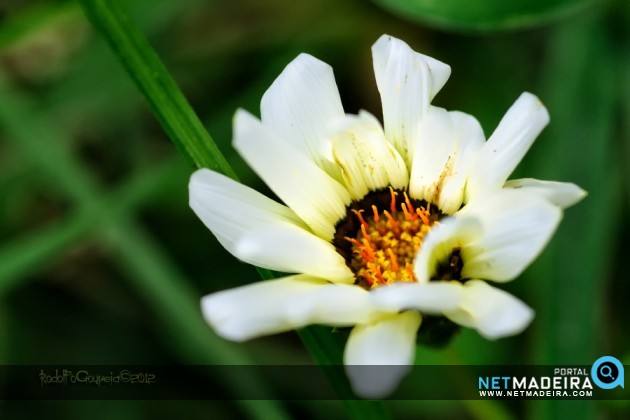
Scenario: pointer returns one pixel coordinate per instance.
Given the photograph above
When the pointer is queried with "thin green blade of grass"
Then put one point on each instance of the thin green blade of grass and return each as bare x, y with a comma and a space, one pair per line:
179, 121
154, 81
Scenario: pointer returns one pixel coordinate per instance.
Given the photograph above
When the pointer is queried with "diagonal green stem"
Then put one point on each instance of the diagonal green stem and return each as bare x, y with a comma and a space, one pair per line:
165, 98
186, 131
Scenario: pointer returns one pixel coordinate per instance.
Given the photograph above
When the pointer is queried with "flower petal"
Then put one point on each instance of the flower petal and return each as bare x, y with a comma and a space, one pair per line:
317, 198
260, 231
491, 311
447, 144
337, 305
516, 227
293, 250
367, 161
274, 306
507, 145
562, 194
230, 209
407, 81
301, 103
380, 354
451, 233
435, 297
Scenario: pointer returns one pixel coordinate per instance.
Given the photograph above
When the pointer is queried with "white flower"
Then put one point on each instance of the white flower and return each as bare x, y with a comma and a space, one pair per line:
382, 225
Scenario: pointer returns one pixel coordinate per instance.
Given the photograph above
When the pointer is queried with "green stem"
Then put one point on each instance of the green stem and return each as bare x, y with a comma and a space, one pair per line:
166, 100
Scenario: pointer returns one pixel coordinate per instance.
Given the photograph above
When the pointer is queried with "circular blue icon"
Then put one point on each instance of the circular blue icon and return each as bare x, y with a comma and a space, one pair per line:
607, 372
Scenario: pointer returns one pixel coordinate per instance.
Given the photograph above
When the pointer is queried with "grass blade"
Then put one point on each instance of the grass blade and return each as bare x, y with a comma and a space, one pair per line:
165, 98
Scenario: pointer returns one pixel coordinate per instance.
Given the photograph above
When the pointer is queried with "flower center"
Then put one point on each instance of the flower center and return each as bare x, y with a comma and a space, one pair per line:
381, 234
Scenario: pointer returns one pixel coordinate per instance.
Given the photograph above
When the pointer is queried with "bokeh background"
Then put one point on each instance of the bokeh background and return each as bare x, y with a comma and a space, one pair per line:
103, 262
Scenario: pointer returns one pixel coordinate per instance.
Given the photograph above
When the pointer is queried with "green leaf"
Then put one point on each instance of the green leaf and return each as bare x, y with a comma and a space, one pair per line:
484, 15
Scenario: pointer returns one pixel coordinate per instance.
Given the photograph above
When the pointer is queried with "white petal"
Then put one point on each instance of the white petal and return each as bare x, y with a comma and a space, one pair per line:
318, 199
492, 312
367, 161
447, 144
273, 306
435, 297
293, 250
337, 305
451, 233
301, 103
507, 145
260, 231
230, 209
516, 228
380, 354
407, 81
562, 194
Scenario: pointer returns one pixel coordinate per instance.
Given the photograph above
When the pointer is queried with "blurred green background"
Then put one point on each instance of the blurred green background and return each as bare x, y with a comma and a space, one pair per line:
103, 262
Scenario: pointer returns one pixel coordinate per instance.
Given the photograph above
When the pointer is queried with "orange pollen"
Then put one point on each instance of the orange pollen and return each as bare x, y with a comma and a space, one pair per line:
383, 249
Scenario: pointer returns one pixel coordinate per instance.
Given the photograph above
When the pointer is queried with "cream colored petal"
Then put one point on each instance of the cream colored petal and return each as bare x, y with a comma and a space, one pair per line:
318, 199
491, 311
367, 160
451, 233
447, 144
274, 306
290, 249
407, 81
561, 194
260, 231
301, 103
507, 145
338, 305
434, 297
380, 354
230, 209
516, 226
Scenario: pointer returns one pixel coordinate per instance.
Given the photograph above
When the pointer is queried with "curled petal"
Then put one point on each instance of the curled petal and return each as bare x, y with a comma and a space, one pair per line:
516, 226
407, 81
491, 311
561, 194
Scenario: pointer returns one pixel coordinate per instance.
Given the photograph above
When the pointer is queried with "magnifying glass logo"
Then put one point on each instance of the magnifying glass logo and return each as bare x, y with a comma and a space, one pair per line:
606, 371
